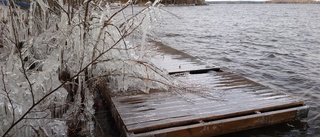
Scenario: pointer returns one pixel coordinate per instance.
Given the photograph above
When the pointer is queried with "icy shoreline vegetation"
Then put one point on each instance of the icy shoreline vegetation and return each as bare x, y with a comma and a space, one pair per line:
52, 58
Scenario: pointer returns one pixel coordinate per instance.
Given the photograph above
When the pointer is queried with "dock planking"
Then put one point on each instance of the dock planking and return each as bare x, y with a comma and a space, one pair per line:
213, 102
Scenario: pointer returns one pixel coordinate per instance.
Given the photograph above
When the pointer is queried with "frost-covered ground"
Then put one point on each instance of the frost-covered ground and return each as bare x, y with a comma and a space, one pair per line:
53, 56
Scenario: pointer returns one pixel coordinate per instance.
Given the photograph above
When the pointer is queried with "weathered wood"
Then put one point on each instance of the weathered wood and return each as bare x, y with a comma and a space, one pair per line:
213, 102
155, 111
151, 114
224, 126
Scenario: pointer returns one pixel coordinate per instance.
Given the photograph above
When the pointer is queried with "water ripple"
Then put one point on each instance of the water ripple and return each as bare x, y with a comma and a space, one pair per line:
277, 45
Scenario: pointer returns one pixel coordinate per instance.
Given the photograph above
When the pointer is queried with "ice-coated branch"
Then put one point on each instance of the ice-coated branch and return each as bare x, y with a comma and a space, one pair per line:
25, 72
18, 46
78, 39
7, 94
55, 89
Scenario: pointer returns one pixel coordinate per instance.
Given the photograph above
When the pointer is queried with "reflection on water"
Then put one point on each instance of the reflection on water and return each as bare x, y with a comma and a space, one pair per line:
277, 45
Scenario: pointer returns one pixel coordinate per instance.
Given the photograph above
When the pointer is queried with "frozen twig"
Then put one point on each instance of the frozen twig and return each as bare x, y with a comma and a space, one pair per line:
55, 89
8, 95
85, 44
18, 46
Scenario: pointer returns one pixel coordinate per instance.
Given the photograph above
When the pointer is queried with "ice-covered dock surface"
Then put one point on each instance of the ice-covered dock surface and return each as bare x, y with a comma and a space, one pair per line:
215, 102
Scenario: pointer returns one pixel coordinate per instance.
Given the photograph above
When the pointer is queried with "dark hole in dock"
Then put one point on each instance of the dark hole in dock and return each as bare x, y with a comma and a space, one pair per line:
198, 71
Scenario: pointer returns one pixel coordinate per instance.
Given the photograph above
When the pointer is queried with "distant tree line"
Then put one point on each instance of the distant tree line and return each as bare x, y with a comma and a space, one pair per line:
140, 2
293, 1
167, 2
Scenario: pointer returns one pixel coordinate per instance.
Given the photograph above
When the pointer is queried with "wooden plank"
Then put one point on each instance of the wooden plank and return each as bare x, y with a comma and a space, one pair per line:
158, 114
170, 120
176, 63
218, 127
163, 103
143, 113
140, 115
214, 100
207, 104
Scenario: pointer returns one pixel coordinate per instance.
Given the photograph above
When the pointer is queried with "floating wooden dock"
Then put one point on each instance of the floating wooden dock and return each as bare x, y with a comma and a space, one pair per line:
219, 103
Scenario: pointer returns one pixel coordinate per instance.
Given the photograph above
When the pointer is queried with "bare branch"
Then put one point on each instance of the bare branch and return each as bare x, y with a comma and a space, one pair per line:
87, 33
55, 89
8, 96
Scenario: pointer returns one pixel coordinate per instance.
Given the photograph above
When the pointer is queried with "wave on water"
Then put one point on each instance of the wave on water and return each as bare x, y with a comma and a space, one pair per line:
278, 49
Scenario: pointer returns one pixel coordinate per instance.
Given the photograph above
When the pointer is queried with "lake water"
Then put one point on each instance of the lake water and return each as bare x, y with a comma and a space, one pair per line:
277, 45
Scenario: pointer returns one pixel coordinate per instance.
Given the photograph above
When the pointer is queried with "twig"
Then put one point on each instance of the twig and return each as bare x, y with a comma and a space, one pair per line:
26, 76
18, 46
128, 30
8, 96
55, 89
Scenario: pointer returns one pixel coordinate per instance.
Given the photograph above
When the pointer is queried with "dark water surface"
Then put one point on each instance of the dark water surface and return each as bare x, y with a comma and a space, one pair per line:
277, 45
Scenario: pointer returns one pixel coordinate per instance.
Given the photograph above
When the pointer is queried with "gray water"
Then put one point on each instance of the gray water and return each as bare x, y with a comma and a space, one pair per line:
277, 45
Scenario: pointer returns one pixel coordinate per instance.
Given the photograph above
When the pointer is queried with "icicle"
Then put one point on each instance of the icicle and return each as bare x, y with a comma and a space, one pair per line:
30, 17
155, 2
43, 6
124, 63
144, 26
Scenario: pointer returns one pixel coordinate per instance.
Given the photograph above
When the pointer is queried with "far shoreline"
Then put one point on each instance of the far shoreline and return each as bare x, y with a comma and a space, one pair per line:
265, 2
